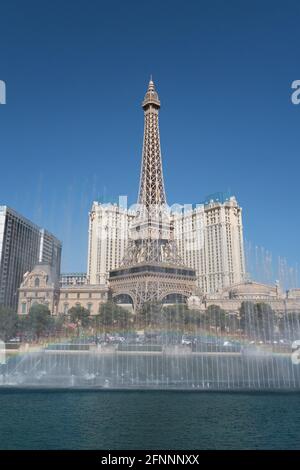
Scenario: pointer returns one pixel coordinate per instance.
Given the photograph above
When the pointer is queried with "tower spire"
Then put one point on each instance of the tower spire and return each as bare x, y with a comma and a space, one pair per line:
151, 191
151, 96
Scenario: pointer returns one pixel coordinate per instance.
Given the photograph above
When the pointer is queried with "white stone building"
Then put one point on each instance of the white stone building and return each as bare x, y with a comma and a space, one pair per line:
231, 298
210, 240
108, 236
41, 286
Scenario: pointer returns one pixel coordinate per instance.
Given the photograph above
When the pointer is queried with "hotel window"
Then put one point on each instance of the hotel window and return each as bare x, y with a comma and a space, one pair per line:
90, 306
78, 295
24, 307
66, 308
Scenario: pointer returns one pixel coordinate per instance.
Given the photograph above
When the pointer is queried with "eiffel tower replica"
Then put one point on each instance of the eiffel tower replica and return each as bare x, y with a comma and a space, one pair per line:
152, 269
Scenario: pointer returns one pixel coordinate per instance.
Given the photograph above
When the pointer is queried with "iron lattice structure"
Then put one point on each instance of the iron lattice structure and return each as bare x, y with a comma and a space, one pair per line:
152, 190
151, 268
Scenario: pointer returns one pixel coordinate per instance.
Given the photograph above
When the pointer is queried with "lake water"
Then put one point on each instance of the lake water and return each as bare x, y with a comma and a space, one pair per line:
37, 419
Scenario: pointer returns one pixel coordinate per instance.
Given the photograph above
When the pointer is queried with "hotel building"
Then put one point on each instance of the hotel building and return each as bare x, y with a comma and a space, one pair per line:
210, 239
22, 245
107, 239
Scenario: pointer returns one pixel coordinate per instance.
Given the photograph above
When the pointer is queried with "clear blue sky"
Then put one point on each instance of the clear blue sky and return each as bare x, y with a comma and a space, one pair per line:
71, 131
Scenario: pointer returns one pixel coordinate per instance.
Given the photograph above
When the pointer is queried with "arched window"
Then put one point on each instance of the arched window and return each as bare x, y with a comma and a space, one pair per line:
37, 282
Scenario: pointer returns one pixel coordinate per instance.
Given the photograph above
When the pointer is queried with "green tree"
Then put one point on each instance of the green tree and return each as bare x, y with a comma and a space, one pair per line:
232, 320
38, 322
289, 325
151, 314
59, 324
248, 320
257, 321
112, 315
8, 323
179, 315
266, 321
215, 317
80, 316
170, 316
